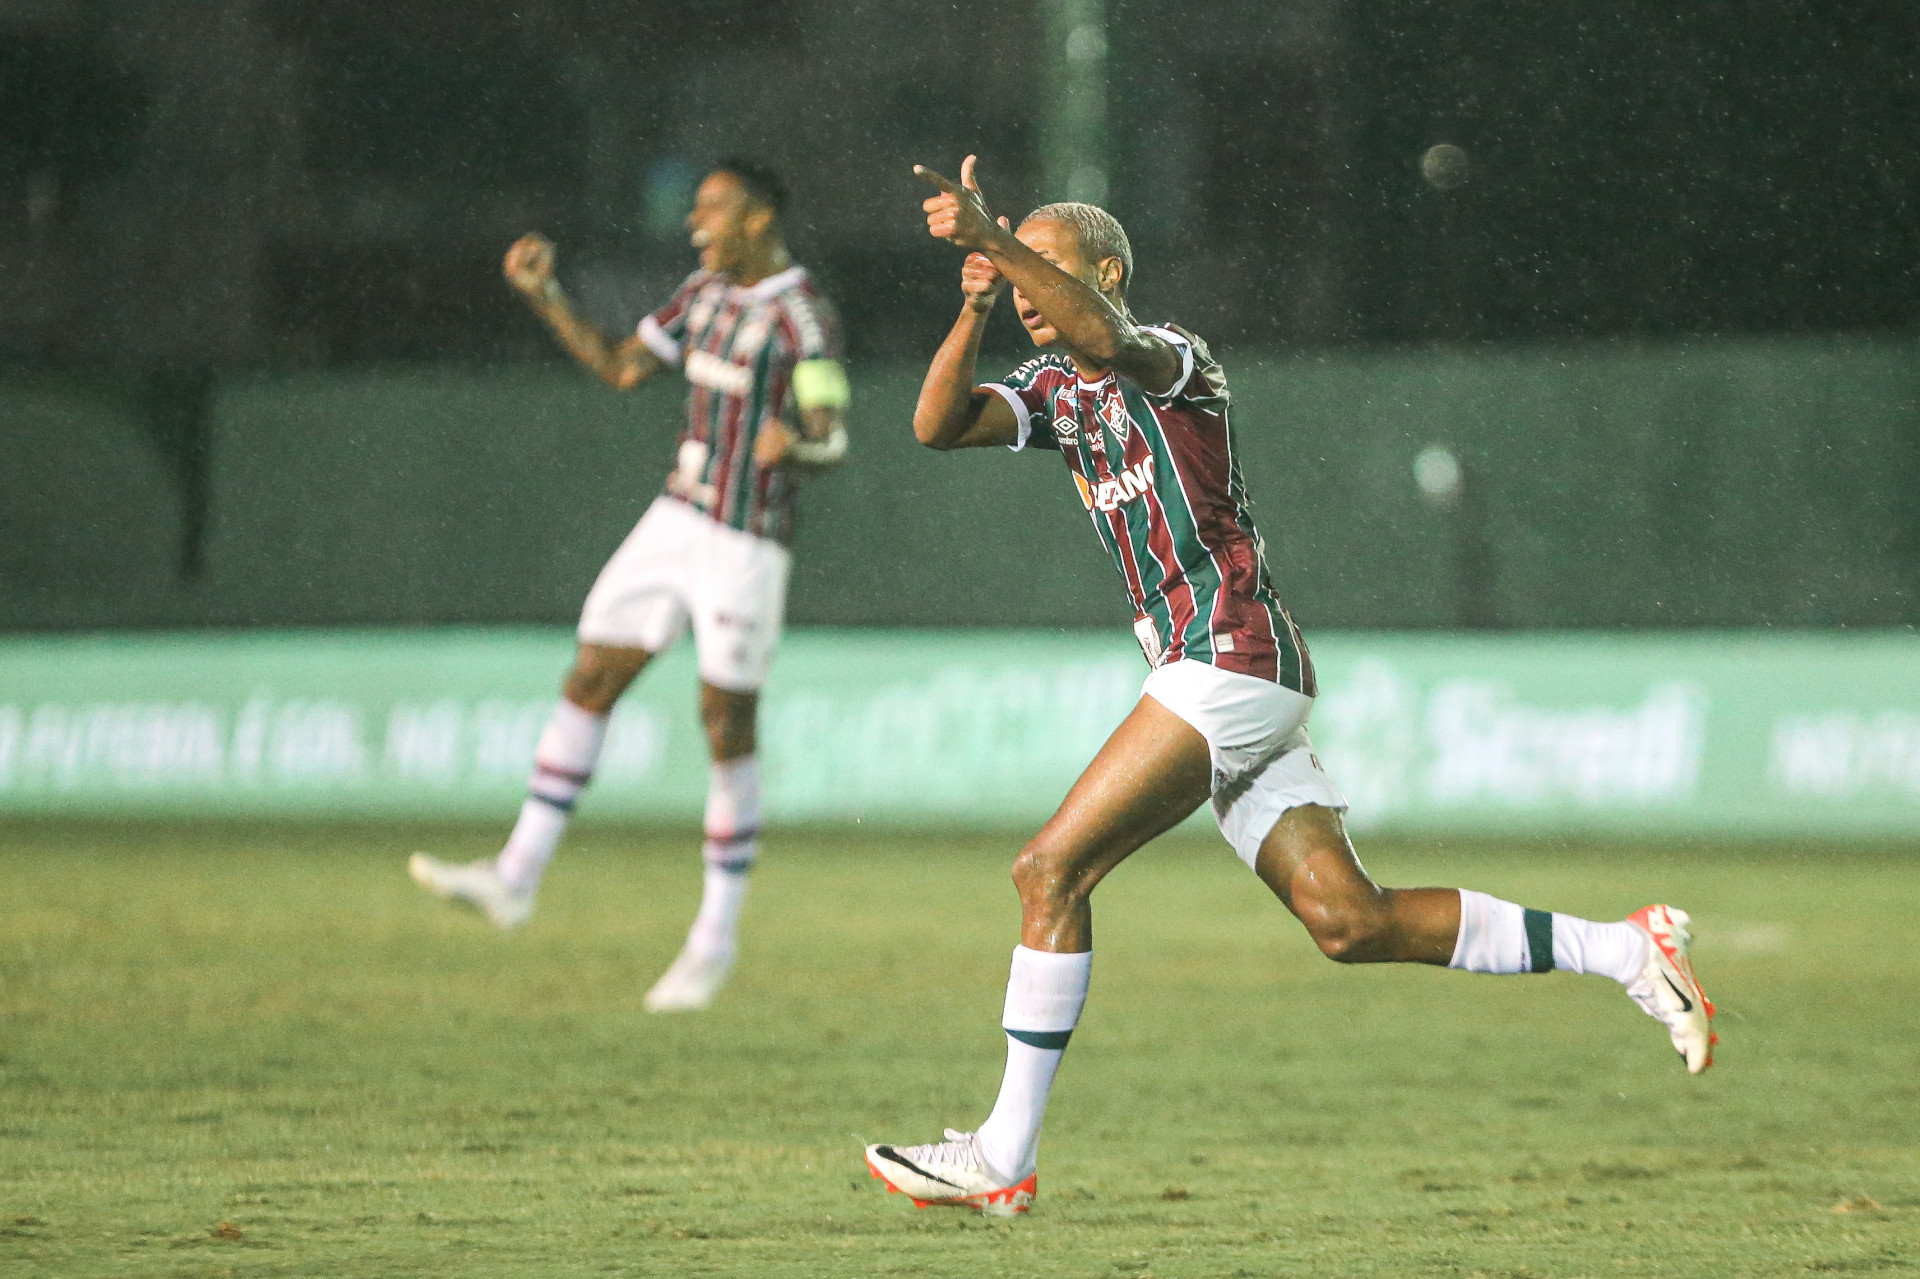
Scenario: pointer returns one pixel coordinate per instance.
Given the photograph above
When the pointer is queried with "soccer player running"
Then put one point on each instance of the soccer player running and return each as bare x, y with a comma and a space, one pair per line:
1140, 415
760, 350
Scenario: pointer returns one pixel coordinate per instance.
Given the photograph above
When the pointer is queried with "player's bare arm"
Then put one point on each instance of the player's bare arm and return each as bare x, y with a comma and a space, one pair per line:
821, 395
951, 412
1070, 294
529, 269
819, 446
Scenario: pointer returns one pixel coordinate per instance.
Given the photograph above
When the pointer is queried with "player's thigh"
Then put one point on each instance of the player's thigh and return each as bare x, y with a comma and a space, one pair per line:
641, 600
739, 608
1307, 853
1147, 778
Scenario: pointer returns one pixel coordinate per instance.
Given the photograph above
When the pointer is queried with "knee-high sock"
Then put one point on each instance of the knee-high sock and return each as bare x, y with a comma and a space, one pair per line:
1045, 993
1500, 937
563, 763
733, 842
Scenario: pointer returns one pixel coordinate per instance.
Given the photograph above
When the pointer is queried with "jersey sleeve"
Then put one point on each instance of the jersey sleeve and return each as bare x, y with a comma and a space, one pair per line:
1184, 345
811, 327
1201, 382
665, 331
1025, 393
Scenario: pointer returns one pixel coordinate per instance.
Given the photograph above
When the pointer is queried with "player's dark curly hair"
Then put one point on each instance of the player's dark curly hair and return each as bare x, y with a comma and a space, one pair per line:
763, 184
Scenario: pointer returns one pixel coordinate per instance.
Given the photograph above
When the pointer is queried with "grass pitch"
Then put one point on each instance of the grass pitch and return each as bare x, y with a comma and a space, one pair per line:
264, 1052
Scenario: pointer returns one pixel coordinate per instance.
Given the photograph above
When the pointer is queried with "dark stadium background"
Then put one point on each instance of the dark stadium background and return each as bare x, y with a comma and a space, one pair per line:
213, 211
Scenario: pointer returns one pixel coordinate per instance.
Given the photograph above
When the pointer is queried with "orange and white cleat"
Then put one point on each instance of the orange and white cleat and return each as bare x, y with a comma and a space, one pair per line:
1667, 989
950, 1174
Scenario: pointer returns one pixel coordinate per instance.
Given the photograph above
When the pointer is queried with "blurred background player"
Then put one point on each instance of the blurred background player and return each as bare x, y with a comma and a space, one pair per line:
767, 398
1140, 414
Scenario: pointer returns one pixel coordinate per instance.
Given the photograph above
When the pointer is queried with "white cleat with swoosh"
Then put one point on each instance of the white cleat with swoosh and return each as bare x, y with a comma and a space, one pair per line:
1667, 989
950, 1174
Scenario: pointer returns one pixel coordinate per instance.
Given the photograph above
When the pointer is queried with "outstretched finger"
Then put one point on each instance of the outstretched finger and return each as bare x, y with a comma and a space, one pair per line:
1004, 224
922, 171
966, 174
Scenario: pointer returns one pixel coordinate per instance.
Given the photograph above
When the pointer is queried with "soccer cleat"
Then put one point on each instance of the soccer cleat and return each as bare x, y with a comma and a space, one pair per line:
690, 982
950, 1174
1667, 989
475, 884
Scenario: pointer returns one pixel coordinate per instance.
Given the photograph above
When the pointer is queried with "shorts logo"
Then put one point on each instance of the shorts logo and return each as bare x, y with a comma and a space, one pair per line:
1111, 494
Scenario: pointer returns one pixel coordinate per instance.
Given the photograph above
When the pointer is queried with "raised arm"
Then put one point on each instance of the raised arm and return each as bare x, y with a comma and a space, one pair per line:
529, 269
951, 414
1084, 319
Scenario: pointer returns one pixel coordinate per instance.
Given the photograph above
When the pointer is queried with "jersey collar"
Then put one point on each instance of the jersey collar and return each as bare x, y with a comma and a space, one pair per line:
775, 283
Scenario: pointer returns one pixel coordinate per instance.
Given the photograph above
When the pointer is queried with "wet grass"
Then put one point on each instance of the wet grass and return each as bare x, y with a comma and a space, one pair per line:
261, 1052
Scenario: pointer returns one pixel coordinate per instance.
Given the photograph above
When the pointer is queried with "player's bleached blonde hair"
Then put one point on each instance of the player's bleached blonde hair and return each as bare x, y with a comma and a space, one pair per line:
1101, 235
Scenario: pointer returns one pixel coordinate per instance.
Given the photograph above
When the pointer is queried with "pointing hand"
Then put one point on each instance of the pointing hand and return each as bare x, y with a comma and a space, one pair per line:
958, 214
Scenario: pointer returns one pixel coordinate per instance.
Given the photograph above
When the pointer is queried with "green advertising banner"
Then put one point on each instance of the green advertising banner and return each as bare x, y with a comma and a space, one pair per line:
1739, 734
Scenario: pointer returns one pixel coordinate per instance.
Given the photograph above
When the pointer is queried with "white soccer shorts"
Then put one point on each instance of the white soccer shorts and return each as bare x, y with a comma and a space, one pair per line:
677, 567
1256, 733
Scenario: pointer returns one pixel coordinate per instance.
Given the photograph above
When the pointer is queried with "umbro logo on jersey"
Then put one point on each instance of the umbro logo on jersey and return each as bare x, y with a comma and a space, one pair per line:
1111, 494
1066, 429
717, 374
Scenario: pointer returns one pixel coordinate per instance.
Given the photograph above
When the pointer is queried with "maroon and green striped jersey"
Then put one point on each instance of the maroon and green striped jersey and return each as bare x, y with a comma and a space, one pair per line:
737, 347
1158, 475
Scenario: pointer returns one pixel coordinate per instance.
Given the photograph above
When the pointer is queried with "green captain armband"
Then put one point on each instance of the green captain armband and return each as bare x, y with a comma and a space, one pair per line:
820, 384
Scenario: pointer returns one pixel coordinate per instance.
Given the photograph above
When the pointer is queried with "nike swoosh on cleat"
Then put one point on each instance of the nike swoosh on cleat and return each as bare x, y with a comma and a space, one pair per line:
889, 1153
1686, 1005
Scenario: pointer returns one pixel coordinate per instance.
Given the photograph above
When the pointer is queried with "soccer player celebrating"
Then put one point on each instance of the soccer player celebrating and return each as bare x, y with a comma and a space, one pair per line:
760, 350
1140, 415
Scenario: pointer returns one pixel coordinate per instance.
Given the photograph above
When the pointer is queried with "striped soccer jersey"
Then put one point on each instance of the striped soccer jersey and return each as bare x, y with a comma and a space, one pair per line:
737, 347
1158, 475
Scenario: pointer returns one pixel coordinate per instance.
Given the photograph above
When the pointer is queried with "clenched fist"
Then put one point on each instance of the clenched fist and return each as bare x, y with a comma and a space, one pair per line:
529, 264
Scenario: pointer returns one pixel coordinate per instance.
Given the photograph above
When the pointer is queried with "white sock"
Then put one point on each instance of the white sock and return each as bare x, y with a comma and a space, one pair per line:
724, 893
732, 822
732, 828
1045, 993
1500, 937
1617, 950
563, 763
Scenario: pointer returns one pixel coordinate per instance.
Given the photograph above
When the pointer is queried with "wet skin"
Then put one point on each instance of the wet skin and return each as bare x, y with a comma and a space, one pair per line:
1155, 769
602, 672
1148, 776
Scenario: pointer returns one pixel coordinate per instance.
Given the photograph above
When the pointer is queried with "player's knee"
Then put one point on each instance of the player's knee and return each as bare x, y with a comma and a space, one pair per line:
1042, 877
592, 686
1347, 931
600, 674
